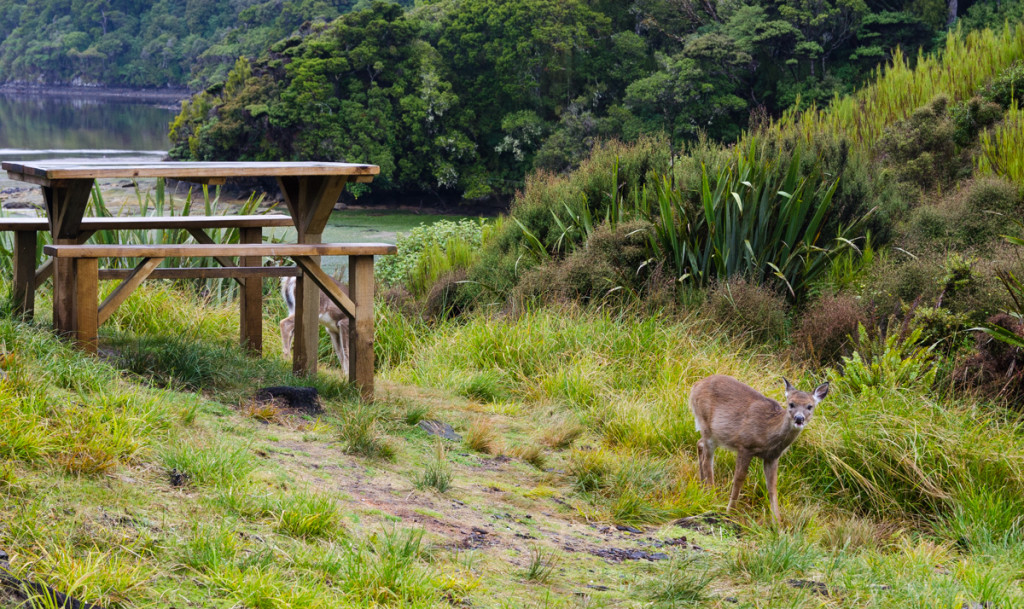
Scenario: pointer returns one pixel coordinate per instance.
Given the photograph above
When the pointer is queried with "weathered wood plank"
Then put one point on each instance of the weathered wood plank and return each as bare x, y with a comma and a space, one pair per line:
206, 272
118, 296
51, 170
200, 235
328, 287
251, 297
154, 222
187, 250
24, 292
44, 272
360, 367
87, 292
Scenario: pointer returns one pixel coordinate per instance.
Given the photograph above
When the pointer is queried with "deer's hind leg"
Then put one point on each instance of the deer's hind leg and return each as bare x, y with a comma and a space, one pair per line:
340, 347
287, 330
706, 460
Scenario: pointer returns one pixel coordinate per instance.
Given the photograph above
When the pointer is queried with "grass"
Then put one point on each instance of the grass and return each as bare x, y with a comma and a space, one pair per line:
437, 473
893, 497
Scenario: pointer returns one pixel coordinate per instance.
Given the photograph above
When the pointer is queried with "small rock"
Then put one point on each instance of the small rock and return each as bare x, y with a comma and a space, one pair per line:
816, 587
480, 531
442, 430
731, 599
981, 605
178, 477
598, 587
621, 554
628, 529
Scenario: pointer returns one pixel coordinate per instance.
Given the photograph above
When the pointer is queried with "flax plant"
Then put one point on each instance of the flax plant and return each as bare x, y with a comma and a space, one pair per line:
751, 218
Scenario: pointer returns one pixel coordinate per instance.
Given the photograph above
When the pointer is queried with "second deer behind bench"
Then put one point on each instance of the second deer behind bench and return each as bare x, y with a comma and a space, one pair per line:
331, 318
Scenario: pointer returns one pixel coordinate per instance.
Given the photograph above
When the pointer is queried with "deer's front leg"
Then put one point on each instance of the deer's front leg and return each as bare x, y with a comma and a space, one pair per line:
771, 479
742, 464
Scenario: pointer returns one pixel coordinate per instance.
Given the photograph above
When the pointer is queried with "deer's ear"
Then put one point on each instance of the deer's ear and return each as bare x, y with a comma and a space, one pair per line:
820, 392
789, 386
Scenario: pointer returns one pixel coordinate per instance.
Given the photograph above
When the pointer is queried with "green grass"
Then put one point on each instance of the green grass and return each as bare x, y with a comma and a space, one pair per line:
892, 497
437, 473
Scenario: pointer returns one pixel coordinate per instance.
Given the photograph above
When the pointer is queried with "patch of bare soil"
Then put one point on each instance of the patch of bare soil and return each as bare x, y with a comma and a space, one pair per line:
481, 512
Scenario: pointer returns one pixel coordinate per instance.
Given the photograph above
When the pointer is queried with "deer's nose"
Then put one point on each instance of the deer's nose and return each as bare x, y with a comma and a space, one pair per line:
799, 419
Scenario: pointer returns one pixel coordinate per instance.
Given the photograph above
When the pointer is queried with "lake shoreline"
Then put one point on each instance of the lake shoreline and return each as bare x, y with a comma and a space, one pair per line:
161, 96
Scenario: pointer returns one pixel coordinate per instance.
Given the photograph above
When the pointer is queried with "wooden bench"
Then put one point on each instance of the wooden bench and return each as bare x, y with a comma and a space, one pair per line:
89, 314
28, 278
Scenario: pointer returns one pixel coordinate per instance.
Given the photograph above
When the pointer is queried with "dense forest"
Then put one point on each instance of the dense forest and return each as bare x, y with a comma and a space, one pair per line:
467, 96
144, 43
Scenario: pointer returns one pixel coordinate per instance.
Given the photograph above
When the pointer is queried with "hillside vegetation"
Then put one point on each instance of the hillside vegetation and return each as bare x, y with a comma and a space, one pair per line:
144, 43
466, 97
880, 251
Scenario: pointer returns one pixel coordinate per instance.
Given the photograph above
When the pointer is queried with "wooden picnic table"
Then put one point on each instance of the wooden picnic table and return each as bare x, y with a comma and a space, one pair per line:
310, 191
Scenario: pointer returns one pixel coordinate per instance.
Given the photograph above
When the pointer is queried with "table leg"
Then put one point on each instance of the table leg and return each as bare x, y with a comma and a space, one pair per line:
307, 325
310, 200
65, 206
360, 367
86, 308
24, 296
64, 292
251, 297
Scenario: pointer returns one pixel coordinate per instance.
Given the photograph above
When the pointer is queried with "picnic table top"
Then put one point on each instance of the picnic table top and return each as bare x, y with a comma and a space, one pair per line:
219, 249
69, 169
148, 222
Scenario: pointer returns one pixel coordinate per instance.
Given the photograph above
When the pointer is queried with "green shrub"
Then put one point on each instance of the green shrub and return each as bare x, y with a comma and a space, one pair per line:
751, 311
921, 148
826, 327
614, 266
897, 362
1006, 86
971, 116
429, 250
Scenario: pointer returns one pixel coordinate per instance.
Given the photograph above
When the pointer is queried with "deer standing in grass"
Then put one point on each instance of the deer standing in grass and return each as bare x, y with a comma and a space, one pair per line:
331, 318
738, 418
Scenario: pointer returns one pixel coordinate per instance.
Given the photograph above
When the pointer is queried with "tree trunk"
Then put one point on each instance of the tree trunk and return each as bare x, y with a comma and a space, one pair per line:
952, 13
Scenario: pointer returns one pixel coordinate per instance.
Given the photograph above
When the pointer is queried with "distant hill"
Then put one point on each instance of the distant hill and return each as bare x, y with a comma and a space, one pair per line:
144, 43
469, 96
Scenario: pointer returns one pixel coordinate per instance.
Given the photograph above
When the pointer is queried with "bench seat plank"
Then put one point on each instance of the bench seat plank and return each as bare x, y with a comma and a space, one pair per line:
191, 250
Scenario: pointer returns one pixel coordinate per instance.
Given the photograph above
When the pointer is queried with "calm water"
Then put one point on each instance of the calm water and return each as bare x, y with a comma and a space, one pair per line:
42, 126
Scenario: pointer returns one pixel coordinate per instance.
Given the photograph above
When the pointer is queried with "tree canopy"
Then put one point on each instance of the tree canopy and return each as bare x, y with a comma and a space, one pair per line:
469, 95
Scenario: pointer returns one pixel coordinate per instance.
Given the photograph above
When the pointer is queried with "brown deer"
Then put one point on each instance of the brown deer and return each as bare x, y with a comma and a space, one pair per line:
331, 318
738, 418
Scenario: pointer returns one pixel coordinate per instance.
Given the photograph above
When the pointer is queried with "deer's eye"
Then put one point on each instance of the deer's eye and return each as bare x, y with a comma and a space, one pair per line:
810, 407
792, 405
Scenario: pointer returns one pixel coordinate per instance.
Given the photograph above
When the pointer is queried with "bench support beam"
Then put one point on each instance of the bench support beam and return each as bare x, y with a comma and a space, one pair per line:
123, 291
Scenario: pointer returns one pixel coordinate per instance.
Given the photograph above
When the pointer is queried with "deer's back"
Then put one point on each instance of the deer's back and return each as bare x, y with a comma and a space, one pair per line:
738, 417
